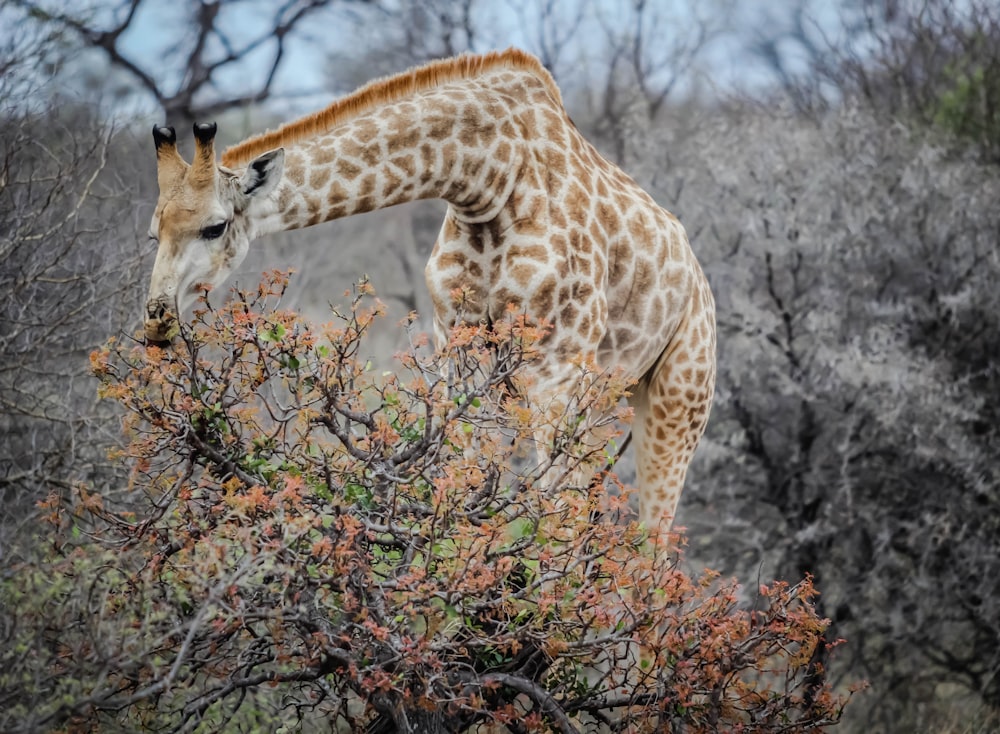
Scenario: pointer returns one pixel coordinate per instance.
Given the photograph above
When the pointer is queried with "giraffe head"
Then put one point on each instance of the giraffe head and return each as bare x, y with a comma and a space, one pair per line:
202, 223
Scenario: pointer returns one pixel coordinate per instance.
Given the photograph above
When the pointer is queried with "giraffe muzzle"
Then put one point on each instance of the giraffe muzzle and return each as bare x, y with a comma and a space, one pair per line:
161, 324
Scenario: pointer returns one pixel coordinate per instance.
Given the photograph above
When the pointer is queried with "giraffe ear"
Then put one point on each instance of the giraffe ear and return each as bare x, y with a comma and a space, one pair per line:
263, 173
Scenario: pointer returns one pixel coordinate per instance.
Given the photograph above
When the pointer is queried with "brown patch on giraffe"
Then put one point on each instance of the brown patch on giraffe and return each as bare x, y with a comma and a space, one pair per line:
405, 163
672, 278
450, 259
607, 216
578, 244
367, 186
504, 297
449, 151
543, 297
428, 157
559, 246
539, 253
296, 174
582, 291
476, 240
553, 123
407, 111
576, 201
567, 349
391, 183
522, 274
600, 270
337, 193
518, 90
554, 184
440, 128
657, 308
449, 229
471, 168
502, 151
621, 260
350, 148
596, 233
505, 172
496, 179
348, 170
322, 156
528, 123
473, 133
313, 203
538, 95
530, 212
319, 177
554, 161
371, 155
624, 336
558, 218
365, 131
316, 212
407, 139
645, 275
581, 265
568, 314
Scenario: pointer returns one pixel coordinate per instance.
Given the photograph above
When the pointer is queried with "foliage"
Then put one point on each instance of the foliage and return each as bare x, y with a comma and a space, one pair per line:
66, 274
381, 551
934, 62
855, 429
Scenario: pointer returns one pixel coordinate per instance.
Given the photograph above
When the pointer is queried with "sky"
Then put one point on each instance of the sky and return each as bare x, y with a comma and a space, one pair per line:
330, 42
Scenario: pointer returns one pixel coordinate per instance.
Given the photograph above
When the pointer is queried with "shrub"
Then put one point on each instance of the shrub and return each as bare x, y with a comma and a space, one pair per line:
301, 539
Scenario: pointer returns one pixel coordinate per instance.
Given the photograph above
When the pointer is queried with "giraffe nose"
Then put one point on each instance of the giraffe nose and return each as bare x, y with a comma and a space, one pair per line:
161, 324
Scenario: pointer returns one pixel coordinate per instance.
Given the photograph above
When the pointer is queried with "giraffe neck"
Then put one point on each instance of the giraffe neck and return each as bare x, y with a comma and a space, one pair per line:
442, 143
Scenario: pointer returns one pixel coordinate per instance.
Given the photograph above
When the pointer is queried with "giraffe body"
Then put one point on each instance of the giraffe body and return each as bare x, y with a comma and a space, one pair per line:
536, 217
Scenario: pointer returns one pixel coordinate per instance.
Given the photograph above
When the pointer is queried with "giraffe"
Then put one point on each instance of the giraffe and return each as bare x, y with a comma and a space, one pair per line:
536, 217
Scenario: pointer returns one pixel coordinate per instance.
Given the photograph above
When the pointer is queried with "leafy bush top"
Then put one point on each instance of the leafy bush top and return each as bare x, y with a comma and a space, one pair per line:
302, 539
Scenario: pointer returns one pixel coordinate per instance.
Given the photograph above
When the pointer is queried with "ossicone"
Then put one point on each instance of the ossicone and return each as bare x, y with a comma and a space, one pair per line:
204, 132
163, 135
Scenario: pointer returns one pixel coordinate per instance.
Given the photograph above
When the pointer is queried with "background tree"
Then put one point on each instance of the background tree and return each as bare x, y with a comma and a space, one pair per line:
68, 260
186, 79
854, 456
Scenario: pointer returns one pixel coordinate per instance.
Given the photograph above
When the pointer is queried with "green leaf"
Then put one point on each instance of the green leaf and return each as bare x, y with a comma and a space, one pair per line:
275, 334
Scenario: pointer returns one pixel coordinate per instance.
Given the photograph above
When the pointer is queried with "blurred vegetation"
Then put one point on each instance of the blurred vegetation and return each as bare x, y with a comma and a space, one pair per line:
843, 205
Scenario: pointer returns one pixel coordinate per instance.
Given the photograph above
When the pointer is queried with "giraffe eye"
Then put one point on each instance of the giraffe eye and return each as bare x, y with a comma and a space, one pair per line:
214, 232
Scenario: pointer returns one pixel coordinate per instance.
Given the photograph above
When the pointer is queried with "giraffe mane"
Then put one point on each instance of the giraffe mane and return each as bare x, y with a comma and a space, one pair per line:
385, 90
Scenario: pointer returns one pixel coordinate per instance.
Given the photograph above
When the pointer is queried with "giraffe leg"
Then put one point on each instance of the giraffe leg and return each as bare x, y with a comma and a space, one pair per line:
671, 407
